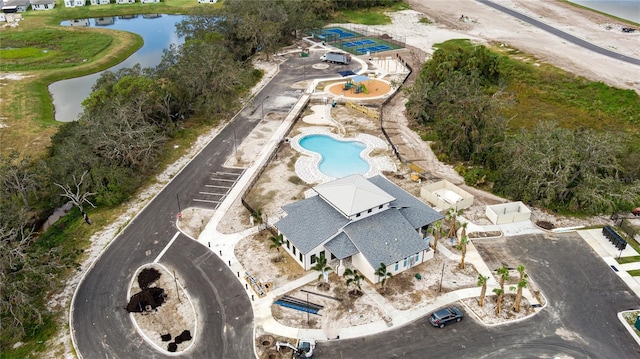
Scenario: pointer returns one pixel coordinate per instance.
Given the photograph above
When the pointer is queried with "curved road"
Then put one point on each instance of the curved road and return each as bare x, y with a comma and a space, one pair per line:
583, 293
573, 39
101, 326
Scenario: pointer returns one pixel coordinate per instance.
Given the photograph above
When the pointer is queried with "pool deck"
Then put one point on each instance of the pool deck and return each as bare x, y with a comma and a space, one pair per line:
307, 165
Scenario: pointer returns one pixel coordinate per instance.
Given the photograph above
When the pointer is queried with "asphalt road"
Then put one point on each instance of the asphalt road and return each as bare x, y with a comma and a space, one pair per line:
573, 39
579, 321
100, 324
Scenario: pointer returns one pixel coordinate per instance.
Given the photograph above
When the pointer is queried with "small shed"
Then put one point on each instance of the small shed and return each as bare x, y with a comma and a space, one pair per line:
508, 213
444, 195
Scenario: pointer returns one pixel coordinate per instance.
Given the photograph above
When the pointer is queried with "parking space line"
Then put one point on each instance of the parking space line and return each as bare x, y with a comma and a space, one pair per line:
166, 247
214, 186
205, 200
224, 180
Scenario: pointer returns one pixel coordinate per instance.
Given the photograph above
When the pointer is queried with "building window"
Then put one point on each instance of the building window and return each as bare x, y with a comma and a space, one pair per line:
332, 256
369, 211
357, 215
294, 250
322, 255
288, 244
301, 257
313, 259
417, 257
396, 267
404, 263
380, 207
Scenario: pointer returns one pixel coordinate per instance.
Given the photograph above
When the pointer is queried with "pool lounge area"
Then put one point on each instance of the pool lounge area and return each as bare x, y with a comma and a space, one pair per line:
307, 167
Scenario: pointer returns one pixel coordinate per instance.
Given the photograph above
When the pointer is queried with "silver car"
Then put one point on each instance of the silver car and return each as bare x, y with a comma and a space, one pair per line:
445, 316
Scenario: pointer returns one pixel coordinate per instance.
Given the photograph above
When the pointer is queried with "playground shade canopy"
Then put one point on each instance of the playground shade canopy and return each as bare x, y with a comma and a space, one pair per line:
360, 78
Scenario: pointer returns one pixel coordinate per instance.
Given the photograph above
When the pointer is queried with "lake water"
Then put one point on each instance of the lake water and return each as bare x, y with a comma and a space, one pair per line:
625, 9
158, 33
339, 158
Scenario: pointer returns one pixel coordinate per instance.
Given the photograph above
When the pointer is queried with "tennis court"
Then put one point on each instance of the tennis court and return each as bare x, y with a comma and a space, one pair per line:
367, 45
358, 43
336, 33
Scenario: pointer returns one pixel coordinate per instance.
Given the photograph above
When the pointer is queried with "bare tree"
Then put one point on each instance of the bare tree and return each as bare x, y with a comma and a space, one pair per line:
17, 175
79, 197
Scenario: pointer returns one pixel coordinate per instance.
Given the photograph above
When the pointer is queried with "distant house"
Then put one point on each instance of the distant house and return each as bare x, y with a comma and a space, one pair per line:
149, 1
207, 1
100, 2
369, 221
74, 3
43, 4
11, 6
120, 2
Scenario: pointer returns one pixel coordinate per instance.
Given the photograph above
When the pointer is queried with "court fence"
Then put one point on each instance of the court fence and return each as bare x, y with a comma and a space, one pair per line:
361, 32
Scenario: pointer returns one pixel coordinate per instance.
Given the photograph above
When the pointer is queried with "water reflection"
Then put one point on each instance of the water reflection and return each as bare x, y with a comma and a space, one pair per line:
159, 35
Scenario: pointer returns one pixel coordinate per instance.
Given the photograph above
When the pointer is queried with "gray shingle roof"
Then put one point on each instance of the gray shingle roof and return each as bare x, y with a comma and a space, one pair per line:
341, 246
310, 222
386, 237
416, 212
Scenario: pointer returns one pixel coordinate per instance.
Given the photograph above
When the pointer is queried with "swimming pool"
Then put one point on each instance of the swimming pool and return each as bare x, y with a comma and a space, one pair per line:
339, 158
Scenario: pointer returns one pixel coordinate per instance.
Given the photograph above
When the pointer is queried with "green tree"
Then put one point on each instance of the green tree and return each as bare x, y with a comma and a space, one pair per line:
322, 267
482, 282
452, 218
577, 170
522, 283
499, 292
437, 231
383, 275
503, 272
276, 241
464, 240
352, 276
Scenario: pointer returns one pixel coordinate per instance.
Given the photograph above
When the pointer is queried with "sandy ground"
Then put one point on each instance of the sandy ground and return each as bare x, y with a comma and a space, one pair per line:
484, 25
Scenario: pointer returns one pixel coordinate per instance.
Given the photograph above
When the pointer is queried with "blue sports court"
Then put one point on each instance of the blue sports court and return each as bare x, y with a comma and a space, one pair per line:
336, 33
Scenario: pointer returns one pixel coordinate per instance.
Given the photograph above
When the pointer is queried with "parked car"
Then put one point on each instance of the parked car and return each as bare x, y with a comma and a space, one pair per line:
445, 316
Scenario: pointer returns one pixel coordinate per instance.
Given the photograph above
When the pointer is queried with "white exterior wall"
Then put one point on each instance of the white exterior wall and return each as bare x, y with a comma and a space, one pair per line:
360, 263
366, 214
434, 194
207, 1
508, 213
125, 1
289, 250
100, 2
37, 7
148, 1
3, 18
74, 3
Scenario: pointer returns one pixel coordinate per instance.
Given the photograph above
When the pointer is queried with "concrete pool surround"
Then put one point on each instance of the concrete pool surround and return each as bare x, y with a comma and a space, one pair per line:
307, 165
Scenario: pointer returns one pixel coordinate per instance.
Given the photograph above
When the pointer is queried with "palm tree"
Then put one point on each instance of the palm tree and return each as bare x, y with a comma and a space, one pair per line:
322, 267
437, 232
382, 274
504, 275
482, 281
498, 292
353, 277
522, 283
452, 218
463, 247
257, 216
276, 241
464, 229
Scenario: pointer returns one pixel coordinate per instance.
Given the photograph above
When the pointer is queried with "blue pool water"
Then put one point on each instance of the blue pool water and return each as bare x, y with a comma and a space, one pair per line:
339, 158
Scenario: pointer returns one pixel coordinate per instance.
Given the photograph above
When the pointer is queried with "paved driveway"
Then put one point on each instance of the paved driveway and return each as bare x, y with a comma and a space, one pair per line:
579, 321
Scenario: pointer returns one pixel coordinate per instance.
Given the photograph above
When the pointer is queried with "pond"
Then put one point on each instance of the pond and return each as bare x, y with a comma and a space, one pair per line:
339, 158
158, 33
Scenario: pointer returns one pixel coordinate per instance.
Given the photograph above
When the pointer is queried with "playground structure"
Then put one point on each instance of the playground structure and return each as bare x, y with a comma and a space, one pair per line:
360, 87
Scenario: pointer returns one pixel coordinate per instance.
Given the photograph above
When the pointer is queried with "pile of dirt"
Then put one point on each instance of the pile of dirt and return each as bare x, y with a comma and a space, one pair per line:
149, 298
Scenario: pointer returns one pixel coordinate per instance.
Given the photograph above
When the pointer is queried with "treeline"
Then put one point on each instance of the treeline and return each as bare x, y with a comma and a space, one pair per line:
100, 160
461, 99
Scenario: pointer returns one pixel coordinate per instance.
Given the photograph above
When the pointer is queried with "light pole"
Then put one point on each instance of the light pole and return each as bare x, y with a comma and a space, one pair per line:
262, 106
